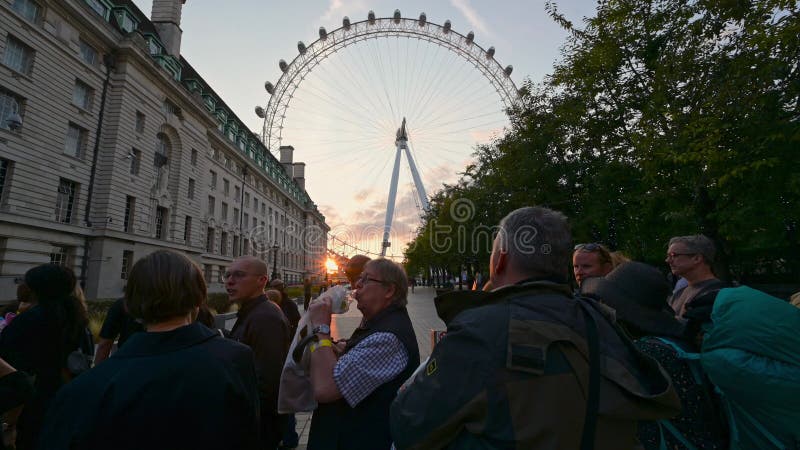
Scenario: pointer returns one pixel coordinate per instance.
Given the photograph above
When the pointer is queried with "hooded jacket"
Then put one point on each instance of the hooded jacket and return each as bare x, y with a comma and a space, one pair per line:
512, 372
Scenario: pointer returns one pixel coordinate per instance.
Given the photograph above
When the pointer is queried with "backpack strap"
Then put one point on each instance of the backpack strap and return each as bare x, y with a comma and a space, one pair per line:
593, 395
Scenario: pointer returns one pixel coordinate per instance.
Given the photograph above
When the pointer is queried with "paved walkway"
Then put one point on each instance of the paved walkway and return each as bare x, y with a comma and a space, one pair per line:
423, 316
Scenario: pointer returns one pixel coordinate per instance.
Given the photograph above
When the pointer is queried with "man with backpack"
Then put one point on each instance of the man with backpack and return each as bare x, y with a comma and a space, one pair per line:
528, 365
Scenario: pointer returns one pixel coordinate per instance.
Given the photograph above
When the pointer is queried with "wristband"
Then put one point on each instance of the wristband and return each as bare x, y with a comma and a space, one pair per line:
321, 343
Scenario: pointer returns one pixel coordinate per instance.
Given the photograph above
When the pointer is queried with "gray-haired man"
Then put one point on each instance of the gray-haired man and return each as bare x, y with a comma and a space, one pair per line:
513, 369
691, 257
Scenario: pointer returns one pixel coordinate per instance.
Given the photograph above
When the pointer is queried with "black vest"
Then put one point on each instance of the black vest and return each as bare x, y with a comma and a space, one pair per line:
338, 426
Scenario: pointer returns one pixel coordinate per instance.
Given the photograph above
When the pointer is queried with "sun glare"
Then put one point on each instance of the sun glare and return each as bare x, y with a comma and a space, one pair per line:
331, 265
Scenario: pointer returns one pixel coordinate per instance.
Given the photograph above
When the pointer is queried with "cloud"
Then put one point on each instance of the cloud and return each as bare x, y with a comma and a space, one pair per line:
472, 16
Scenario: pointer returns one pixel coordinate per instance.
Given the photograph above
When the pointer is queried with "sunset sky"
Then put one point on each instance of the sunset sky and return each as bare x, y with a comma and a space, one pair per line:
343, 117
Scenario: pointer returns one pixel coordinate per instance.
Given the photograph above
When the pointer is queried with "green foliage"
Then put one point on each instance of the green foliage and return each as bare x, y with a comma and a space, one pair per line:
662, 118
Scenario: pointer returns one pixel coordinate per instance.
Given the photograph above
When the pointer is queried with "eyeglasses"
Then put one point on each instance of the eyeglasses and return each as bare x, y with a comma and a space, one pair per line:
237, 274
672, 255
364, 279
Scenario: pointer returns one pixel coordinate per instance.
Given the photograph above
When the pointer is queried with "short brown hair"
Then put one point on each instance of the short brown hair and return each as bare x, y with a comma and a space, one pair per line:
164, 285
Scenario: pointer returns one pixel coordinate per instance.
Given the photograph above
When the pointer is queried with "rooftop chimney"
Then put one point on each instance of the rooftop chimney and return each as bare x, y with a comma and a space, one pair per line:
286, 156
299, 174
166, 17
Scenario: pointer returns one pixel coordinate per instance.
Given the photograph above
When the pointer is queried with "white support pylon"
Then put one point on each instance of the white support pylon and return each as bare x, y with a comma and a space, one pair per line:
401, 143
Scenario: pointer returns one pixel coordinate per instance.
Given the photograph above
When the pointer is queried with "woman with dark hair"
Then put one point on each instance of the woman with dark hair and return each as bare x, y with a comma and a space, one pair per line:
39, 341
176, 385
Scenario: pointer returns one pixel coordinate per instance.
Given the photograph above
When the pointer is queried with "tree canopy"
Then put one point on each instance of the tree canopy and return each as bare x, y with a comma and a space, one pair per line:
662, 118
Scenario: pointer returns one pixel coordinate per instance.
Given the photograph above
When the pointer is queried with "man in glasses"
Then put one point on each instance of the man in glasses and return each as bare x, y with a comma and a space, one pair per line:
529, 365
591, 260
355, 385
691, 258
263, 327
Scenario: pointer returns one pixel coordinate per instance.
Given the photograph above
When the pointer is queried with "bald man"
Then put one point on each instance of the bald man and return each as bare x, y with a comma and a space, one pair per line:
263, 327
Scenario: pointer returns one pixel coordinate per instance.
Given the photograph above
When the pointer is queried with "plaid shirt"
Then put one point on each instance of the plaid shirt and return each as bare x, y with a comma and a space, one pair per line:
372, 362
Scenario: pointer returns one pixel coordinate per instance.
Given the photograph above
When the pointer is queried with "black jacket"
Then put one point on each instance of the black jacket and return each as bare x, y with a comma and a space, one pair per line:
185, 388
263, 327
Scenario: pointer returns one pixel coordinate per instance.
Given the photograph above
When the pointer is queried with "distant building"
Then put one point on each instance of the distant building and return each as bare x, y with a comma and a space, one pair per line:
113, 146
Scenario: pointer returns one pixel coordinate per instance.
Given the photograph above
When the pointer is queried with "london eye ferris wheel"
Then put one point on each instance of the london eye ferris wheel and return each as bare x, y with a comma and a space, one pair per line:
345, 100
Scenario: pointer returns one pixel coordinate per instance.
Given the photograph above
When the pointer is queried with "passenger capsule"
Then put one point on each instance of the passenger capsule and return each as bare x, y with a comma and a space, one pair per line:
346, 23
260, 112
283, 66
397, 16
470, 38
301, 47
371, 17
422, 19
323, 34
509, 69
447, 26
490, 53
269, 88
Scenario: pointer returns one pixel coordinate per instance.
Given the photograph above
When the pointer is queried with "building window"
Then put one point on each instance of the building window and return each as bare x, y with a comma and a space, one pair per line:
76, 141
130, 210
207, 272
82, 95
18, 56
28, 9
213, 179
235, 213
60, 254
224, 211
220, 274
223, 243
212, 205
136, 160
9, 104
5, 171
210, 240
194, 157
263, 208
161, 222
236, 246
125, 20
127, 262
226, 187
246, 220
65, 202
190, 192
255, 222
187, 230
237, 192
87, 52
246, 199
255, 205
246, 247
140, 121
99, 7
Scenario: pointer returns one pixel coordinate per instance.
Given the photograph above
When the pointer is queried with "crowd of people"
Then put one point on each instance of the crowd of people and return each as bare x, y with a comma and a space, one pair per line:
631, 358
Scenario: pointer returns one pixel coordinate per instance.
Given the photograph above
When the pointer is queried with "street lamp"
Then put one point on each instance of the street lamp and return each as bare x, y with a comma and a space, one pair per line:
274, 249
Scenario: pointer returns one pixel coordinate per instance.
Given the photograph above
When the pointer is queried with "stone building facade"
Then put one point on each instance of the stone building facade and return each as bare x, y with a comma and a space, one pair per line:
113, 146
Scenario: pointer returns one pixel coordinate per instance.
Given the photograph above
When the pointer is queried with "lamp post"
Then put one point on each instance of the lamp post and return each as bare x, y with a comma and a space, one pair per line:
274, 249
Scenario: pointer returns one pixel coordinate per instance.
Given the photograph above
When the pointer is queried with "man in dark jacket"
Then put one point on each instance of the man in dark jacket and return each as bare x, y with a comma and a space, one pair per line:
262, 326
514, 371
355, 385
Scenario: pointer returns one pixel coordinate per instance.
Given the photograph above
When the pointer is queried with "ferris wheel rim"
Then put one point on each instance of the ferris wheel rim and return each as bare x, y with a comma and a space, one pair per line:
306, 60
